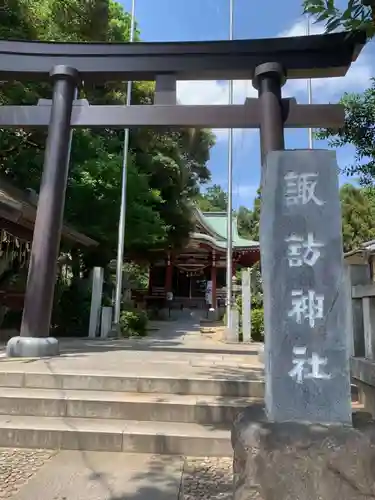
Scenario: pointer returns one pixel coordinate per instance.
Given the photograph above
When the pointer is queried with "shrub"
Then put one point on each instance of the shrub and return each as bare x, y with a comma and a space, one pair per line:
133, 322
257, 325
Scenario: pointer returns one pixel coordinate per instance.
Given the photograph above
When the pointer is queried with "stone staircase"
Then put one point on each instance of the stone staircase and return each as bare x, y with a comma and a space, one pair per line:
107, 412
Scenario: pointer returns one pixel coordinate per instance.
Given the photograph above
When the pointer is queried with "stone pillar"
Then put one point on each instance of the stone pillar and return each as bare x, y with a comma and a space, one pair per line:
168, 274
150, 280
213, 279
34, 340
234, 326
305, 291
96, 300
106, 322
368, 304
359, 275
307, 444
246, 304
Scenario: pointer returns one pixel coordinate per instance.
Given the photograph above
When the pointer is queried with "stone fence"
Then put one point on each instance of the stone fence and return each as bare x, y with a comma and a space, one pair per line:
362, 335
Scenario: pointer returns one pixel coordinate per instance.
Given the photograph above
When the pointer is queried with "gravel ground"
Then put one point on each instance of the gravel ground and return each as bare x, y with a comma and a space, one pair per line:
203, 478
207, 479
18, 466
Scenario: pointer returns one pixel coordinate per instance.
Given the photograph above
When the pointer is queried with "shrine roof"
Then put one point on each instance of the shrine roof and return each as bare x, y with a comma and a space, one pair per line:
364, 250
18, 210
215, 223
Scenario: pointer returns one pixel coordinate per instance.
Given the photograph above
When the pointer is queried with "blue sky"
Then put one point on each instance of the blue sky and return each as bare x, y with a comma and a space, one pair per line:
183, 20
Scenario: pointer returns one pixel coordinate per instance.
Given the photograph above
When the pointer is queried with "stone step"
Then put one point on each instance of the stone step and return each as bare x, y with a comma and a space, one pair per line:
121, 405
164, 438
252, 387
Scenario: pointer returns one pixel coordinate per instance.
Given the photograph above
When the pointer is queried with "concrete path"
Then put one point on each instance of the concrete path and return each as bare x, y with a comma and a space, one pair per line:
75, 475
172, 349
177, 348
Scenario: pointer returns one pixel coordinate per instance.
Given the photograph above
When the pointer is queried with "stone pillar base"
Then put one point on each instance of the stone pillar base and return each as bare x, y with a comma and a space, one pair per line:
366, 394
291, 460
213, 314
32, 347
114, 332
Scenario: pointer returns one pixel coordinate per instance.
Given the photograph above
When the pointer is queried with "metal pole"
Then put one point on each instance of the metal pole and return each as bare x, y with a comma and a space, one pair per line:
230, 190
122, 218
34, 338
309, 92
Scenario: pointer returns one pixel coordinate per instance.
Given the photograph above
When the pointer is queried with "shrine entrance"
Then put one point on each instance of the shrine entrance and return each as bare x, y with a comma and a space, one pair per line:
196, 275
188, 286
268, 63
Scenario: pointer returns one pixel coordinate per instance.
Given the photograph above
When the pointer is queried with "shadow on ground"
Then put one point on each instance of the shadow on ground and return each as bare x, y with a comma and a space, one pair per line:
161, 480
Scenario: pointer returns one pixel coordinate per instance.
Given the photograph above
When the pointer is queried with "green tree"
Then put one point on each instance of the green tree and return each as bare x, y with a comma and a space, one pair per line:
136, 275
358, 216
358, 14
164, 169
359, 131
248, 227
248, 220
214, 199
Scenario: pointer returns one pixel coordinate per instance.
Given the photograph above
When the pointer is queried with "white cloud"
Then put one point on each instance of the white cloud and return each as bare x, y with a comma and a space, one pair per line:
324, 90
329, 89
246, 191
215, 93
299, 28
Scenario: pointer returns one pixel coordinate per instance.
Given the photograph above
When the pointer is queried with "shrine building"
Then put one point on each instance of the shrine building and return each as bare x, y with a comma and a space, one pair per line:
185, 277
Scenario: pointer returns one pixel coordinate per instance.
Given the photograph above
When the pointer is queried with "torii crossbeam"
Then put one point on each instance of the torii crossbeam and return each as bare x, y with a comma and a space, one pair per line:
243, 116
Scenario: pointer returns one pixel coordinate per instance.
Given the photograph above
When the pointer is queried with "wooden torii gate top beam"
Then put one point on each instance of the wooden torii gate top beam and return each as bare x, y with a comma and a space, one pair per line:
317, 56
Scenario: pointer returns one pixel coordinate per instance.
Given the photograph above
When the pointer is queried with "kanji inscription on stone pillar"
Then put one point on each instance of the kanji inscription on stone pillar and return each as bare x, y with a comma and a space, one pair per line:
306, 296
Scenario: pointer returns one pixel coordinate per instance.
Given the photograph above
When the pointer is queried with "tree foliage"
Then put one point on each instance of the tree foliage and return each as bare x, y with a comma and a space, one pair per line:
358, 216
214, 199
248, 220
137, 276
359, 131
165, 168
356, 15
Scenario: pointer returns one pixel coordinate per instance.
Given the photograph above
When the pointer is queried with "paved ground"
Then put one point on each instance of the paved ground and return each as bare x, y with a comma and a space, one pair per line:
177, 348
75, 475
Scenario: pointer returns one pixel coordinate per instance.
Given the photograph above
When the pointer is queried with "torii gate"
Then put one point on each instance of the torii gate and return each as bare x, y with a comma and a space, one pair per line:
267, 62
